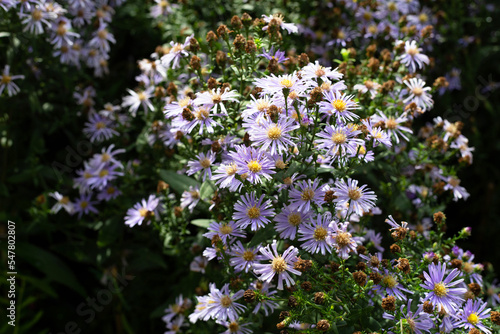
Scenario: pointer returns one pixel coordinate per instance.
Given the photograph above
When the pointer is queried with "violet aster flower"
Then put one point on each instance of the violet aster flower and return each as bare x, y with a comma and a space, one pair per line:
143, 210
235, 327
203, 163
252, 164
250, 211
136, 99
418, 321
280, 265
413, 57
442, 293
289, 220
99, 128
198, 264
215, 98
393, 125
453, 184
190, 198
316, 235
278, 55
418, 93
377, 134
173, 57
84, 205
63, 202
6, 81
360, 199
338, 104
180, 305
201, 117
225, 231
273, 136
338, 140
309, 192
316, 71
267, 305
278, 18
368, 87
243, 258
274, 85
108, 193
222, 305
225, 176
342, 240
472, 314
389, 285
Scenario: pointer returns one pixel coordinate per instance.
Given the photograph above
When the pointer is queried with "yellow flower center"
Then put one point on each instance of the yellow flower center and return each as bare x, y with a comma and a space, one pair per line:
392, 6
64, 200
286, 83
417, 91
36, 15
412, 51
361, 150
423, 17
177, 48
100, 125
84, 204
253, 212
226, 229
294, 219
262, 105
248, 255
367, 16
440, 290
143, 212
233, 327
231, 169
201, 114
454, 182
320, 233
205, 162
142, 96
110, 190
468, 267
254, 166
369, 84
87, 175
61, 30
5, 79
354, 194
320, 71
339, 105
343, 239
339, 138
391, 123
278, 265
102, 34
103, 173
307, 194
280, 164
473, 318
372, 29
225, 301
389, 281
216, 98
163, 4
274, 132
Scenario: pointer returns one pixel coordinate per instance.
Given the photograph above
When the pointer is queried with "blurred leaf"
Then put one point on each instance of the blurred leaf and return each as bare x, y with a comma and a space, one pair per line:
202, 222
178, 182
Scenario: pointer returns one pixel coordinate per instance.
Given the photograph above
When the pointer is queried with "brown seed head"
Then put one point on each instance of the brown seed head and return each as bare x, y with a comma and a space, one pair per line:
319, 298
389, 303
359, 277
323, 325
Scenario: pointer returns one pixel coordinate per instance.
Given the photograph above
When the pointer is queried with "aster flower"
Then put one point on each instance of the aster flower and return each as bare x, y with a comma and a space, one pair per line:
341, 239
412, 56
137, 99
144, 210
316, 235
175, 325
61, 32
36, 19
107, 155
161, 8
198, 264
343, 36
6, 81
253, 212
222, 304
101, 38
102, 175
224, 230
252, 164
108, 193
84, 205
338, 104
418, 93
202, 163
267, 305
173, 57
338, 140
180, 306
98, 128
258, 106
201, 116
277, 19
7, 4
368, 87
472, 314
280, 265
393, 125
215, 98
453, 184
273, 136
316, 71
278, 55
309, 192
175, 108
360, 199
389, 285
243, 258
374, 239
190, 198
63, 202
442, 293
234, 327
225, 176
288, 220
418, 321
274, 85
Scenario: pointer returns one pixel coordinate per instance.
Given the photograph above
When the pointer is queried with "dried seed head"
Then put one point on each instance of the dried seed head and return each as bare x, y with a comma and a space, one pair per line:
249, 296
395, 248
307, 286
236, 22
359, 277
211, 37
292, 302
375, 277
428, 307
389, 303
319, 298
323, 325
404, 265
475, 288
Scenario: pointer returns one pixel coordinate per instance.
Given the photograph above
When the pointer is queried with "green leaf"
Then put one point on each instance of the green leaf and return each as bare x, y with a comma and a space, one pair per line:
202, 222
207, 190
178, 182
